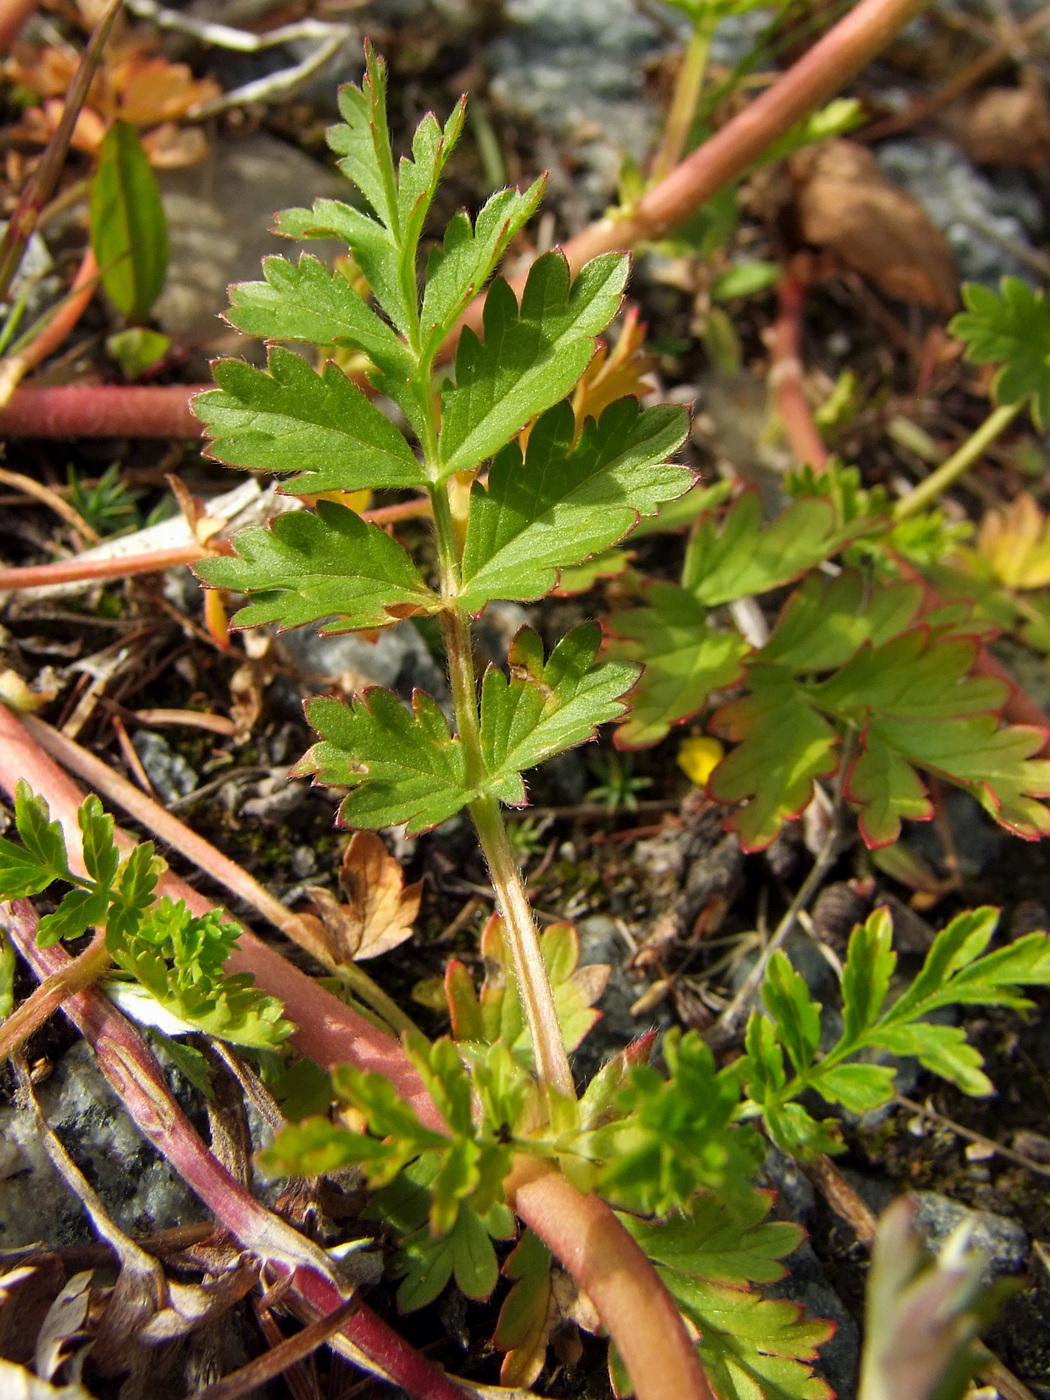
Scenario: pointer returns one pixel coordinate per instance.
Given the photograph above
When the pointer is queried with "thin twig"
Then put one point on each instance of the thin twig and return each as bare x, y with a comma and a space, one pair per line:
723, 1030
264, 1368
1008, 1153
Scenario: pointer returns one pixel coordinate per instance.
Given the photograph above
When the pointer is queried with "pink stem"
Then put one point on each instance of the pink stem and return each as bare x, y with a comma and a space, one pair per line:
88, 570
785, 376
581, 1230
138, 1080
65, 318
102, 410
615, 1274
328, 1031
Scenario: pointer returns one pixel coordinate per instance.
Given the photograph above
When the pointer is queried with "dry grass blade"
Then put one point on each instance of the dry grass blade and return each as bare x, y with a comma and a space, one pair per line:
273, 1362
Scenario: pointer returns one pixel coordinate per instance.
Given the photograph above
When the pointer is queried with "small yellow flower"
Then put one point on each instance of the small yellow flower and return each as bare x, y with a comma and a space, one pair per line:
698, 758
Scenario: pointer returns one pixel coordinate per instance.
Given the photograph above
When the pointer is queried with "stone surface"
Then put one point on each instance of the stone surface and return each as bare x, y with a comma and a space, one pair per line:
220, 215
1001, 1240
397, 659
140, 1190
167, 770
981, 215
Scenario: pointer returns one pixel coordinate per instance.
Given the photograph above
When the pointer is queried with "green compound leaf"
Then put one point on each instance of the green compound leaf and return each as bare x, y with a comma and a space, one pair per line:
78, 911
403, 767
996, 765
782, 746
289, 419
467, 257
129, 232
958, 970
750, 1345
920, 675
1012, 326
179, 959
797, 1016
101, 857
297, 572
133, 893
685, 660
746, 557
545, 707
564, 503
730, 1241
304, 301
43, 839
828, 620
529, 358
677, 1135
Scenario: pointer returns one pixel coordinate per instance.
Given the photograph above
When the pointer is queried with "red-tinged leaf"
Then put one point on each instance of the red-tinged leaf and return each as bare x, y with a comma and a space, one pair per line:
527, 1314
886, 788
746, 557
919, 675
685, 660
783, 745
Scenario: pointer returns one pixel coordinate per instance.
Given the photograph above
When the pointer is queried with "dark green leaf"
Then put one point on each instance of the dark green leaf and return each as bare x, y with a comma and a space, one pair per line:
297, 572
545, 707
403, 767
529, 359
1012, 326
565, 502
78, 911
290, 419
129, 232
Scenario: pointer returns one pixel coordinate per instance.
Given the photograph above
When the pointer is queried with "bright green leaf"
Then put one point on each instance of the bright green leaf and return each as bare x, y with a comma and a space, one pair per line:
129, 232
290, 419
529, 358
297, 572
565, 502
1011, 326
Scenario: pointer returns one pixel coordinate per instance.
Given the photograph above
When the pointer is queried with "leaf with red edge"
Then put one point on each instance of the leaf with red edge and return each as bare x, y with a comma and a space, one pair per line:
886, 788
782, 746
685, 659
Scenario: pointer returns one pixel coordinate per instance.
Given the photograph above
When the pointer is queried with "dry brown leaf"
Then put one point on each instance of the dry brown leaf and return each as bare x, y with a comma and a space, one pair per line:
380, 912
1015, 544
848, 206
153, 90
1004, 126
615, 374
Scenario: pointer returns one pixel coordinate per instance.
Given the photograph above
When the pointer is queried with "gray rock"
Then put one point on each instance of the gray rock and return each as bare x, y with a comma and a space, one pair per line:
806, 1284
167, 770
1002, 1240
140, 1190
602, 942
782, 1174
397, 659
220, 215
578, 69
982, 216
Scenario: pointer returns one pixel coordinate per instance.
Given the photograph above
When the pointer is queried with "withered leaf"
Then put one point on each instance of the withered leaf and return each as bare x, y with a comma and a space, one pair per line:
1015, 544
847, 205
380, 911
1004, 126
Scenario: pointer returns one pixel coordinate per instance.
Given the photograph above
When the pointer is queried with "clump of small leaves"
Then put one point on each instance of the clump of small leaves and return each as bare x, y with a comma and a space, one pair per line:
858, 678
172, 959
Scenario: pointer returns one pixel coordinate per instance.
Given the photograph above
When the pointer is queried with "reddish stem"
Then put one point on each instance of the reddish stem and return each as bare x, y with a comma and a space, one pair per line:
102, 410
138, 1080
89, 570
785, 376
54, 332
581, 1230
615, 1274
328, 1031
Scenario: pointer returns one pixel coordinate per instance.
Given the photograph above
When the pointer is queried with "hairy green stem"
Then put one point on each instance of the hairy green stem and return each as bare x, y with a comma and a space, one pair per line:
530, 974
959, 462
687, 89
